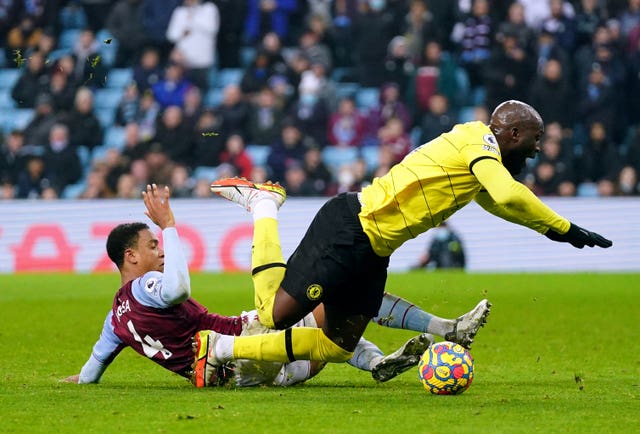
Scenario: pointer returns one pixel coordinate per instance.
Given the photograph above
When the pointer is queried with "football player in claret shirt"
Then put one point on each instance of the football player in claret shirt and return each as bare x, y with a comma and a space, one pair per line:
154, 314
342, 259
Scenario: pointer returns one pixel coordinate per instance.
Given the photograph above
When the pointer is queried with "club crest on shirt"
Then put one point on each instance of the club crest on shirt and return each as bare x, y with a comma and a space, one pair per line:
152, 285
491, 144
314, 292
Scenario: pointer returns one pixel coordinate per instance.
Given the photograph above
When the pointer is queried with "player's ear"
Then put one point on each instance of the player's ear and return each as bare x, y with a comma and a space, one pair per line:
131, 256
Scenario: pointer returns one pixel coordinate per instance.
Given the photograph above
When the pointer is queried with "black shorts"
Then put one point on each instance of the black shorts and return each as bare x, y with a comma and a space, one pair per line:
335, 263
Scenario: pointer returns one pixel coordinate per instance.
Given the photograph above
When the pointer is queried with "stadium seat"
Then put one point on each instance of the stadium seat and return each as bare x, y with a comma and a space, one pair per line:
370, 155
259, 154
16, 119
346, 90
8, 77
247, 54
119, 78
212, 76
415, 135
73, 191
205, 172
466, 114
367, 98
342, 74
68, 38
108, 47
107, 98
114, 137
227, 76
6, 102
57, 54
213, 97
335, 156
106, 116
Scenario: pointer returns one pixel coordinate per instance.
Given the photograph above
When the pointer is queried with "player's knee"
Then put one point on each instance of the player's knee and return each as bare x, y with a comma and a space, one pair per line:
332, 352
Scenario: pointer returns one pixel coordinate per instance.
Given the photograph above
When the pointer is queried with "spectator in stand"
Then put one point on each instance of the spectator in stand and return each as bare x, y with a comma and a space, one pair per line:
125, 23
393, 136
508, 73
630, 17
9, 13
34, 179
553, 171
128, 106
67, 64
399, 66
160, 165
627, 182
236, 155
96, 12
148, 112
436, 73
155, 19
61, 90
347, 126
21, 39
328, 91
61, 160
172, 137
96, 185
599, 162
271, 45
13, 157
344, 13
84, 126
310, 111
288, 149
256, 75
36, 133
418, 29
233, 111
390, 106
134, 147
386, 159
172, 88
268, 16
551, 94
369, 52
265, 117
229, 38
437, 120
445, 250
473, 36
318, 176
192, 108
296, 181
515, 24
32, 81
181, 183
589, 16
89, 69
207, 141
139, 170
193, 29
597, 100
148, 71
561, 25
313, 49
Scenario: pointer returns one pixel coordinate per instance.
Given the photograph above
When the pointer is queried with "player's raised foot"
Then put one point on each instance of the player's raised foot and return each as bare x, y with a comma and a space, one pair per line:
246, 193
402, 359
206, 366
467, 325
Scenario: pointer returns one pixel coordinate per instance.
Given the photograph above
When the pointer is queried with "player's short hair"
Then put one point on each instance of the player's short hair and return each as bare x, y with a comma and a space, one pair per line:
121, 238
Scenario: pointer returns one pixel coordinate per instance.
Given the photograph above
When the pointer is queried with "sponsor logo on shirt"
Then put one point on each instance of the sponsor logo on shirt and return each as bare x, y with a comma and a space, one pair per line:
491, 144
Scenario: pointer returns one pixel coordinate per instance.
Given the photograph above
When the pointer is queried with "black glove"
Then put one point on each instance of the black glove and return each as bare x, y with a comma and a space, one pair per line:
578, 237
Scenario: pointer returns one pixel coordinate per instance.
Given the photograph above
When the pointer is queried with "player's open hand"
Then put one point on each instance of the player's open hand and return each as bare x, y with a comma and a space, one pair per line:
71, 379
158, 209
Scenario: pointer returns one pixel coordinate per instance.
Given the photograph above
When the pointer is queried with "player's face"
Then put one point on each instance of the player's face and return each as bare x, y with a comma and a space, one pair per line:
527, 145
150, 255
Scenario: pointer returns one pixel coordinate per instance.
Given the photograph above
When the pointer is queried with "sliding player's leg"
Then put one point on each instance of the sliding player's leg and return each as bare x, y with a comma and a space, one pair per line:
396, 312
267, 263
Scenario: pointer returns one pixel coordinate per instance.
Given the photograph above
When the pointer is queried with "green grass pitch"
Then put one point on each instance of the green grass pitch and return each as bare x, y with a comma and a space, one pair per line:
560, 353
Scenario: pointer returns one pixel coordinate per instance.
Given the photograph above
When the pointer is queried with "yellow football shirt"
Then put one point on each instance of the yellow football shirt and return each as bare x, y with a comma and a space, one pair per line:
433, 182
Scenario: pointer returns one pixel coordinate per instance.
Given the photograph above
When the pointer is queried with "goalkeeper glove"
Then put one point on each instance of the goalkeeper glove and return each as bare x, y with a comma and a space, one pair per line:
579, 237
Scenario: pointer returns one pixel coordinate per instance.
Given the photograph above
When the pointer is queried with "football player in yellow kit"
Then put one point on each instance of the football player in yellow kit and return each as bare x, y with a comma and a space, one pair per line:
342, 260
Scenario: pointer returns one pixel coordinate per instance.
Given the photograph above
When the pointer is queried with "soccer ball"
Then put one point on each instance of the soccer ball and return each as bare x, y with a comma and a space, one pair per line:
446, 369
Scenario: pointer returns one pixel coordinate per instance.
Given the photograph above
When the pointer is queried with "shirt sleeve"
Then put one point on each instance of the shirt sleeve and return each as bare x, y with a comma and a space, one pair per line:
104, 351
507, 198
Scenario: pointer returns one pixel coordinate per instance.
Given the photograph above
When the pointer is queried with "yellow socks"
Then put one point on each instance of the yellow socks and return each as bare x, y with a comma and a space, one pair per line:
297, 343
267, 267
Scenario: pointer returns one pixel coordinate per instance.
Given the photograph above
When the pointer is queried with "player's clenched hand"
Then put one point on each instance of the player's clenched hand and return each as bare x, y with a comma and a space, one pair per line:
579, 237
158, 209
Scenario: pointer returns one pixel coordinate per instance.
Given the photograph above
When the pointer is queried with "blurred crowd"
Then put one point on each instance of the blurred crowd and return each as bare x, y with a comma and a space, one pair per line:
320, 95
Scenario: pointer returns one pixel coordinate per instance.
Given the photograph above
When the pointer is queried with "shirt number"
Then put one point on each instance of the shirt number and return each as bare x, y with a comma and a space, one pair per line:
150, 346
